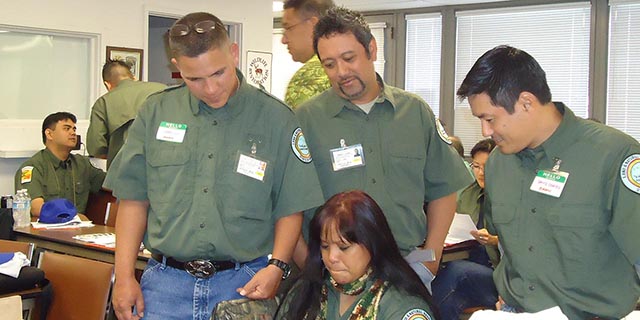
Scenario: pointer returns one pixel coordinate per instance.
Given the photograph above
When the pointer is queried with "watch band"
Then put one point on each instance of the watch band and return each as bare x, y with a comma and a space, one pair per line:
285, 267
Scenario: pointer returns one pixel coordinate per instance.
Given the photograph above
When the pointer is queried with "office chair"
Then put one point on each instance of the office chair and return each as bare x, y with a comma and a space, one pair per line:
81, 286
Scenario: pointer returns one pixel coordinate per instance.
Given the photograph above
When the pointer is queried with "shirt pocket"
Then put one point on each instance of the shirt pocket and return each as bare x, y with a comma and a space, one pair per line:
503, 219
405, 181
168, 177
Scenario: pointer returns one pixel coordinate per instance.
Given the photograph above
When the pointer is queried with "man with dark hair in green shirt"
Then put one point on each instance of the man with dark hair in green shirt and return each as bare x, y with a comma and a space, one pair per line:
54, 172
563, 194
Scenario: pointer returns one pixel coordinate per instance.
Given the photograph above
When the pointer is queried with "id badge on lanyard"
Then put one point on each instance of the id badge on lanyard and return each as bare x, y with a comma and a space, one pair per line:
252, 166
347, 157
550, 182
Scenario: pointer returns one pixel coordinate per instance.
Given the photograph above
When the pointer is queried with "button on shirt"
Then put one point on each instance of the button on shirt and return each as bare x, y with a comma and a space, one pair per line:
576, 251
406, 162
200, 207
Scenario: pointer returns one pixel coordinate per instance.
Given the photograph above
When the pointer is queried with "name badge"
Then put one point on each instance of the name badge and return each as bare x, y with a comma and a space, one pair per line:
347, 157
172, 132
251, 167
549, 182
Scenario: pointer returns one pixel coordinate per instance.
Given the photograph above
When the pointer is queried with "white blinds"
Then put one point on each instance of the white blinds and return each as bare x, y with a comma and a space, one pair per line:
422, 66
623, 110
557, 36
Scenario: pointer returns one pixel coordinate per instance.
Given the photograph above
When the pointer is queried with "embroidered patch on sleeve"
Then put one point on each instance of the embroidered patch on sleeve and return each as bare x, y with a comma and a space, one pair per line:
299, 146
441, 132
630, 172
416, 314
26, 174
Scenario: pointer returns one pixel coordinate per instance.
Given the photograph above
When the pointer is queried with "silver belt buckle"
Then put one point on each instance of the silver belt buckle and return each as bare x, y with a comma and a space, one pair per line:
200, 268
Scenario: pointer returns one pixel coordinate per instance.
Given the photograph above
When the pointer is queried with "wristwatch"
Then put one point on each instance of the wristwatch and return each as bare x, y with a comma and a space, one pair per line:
285, 267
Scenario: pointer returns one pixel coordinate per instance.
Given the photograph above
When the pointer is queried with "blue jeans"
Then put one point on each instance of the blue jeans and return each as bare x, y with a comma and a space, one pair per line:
462, 284
171, 293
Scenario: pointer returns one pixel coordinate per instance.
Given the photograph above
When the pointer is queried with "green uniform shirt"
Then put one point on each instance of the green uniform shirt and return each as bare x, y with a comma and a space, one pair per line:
394, 305
576, 251
47, 177
309, 81
470, 202
200, 207
112, 114
407, 162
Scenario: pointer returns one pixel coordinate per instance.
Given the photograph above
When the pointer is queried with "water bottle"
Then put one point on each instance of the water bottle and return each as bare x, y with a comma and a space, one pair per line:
21, 209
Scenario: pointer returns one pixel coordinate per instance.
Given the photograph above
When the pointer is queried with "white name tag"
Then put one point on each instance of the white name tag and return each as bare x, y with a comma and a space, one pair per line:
173, 132
251, 167
550, 182
347, 157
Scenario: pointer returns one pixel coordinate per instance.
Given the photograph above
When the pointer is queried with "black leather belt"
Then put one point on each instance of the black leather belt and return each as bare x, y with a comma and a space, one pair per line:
199, 268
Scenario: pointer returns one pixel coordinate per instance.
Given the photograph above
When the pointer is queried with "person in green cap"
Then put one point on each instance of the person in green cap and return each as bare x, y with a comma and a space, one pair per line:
55, 172
112, 114
298, 19
213, 178
562, 194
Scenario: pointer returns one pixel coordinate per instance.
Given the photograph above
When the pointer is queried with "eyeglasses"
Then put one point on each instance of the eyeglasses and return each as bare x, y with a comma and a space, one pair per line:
476, 166
180, 30
289, 28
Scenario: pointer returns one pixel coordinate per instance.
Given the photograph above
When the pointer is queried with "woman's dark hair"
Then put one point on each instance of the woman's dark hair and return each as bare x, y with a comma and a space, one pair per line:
486, 145
359, 220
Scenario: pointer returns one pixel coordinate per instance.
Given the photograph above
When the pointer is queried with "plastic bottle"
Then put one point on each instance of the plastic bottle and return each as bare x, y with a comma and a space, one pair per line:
21, 209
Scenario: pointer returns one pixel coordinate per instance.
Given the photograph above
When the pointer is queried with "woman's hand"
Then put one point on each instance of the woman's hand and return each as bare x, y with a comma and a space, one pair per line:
484, 237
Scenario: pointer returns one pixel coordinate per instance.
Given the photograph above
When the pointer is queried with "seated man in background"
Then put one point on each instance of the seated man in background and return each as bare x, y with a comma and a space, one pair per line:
113, 113
462, 284
54, 172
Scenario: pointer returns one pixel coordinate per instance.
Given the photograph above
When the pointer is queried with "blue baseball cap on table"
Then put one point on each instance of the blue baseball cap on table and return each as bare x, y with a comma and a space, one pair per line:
57, 211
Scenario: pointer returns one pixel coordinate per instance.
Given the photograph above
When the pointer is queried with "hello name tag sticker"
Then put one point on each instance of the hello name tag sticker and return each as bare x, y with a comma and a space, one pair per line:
172, 132
549, 182
251, 167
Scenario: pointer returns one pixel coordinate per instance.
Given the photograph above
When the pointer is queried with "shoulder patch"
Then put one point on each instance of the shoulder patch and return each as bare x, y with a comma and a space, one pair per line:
441, 132
630, 172
26, 174
299, 146
416, 314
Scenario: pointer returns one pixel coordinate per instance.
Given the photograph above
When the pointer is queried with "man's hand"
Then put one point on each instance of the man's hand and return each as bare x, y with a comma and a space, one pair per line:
263, 285
126, 295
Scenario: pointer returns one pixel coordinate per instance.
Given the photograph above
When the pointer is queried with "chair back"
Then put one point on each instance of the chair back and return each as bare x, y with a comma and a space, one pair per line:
112, 213
81, 286
17, 246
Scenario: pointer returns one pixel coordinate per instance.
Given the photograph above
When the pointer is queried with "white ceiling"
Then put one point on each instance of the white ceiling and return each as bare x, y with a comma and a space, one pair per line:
375, 5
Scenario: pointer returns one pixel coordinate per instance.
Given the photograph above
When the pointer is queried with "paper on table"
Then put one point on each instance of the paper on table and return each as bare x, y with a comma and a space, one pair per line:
104, 239
73, 223
460, 229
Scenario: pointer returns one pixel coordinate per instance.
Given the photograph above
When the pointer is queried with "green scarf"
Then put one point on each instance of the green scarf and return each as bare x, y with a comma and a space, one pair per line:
368, 305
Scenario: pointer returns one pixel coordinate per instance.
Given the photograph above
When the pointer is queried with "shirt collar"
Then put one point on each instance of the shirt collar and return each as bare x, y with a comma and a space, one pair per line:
559, 141
57, 163
233, 105
336, 103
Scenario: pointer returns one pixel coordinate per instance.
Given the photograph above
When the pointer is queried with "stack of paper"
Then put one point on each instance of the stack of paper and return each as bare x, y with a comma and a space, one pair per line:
103, 239
460, 230
73, 223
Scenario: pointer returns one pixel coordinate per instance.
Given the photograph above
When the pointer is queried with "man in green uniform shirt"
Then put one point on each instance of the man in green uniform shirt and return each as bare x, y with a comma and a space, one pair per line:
210, 183
298, 19
563, 194
366, 135
54, 172
113, 113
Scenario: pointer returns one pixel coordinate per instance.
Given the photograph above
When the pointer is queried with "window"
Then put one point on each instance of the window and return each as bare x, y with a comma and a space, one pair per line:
623, 111
557, 36
422, 66
45, 72
377, 29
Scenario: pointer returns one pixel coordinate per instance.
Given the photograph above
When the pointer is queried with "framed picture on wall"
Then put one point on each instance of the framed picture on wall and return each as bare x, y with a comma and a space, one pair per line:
133, 57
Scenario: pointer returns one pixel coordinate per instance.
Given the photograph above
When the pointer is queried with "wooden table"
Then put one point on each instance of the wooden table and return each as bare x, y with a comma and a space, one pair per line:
61, 240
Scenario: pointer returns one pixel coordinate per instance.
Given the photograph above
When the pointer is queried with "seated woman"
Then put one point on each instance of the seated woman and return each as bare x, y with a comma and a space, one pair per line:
354, 269
462, 284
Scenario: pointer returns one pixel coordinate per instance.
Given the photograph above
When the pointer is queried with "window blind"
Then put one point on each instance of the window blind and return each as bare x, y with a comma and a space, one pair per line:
623, 111
557, 36
422, 64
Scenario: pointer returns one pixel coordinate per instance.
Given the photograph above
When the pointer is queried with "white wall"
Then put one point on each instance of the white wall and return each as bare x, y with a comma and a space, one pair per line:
121, 23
